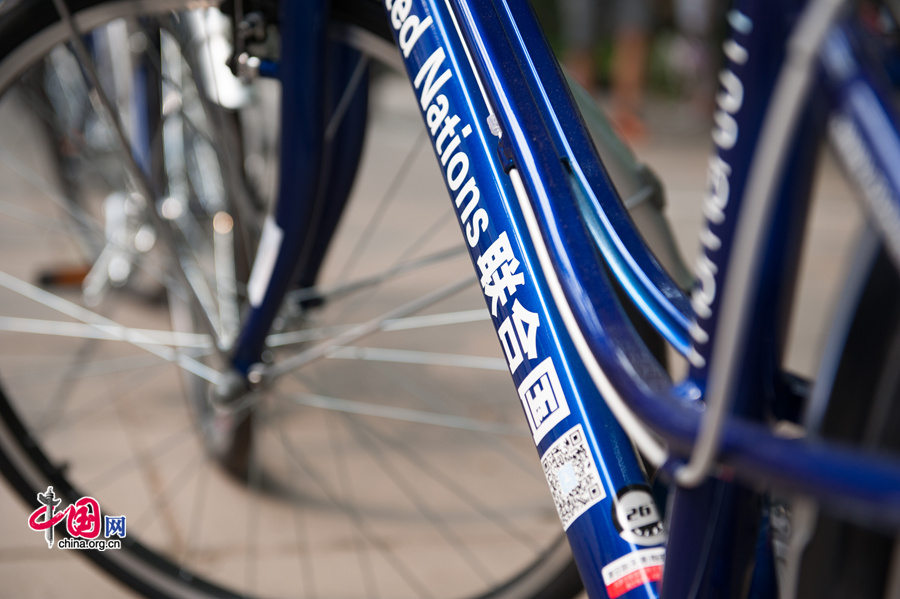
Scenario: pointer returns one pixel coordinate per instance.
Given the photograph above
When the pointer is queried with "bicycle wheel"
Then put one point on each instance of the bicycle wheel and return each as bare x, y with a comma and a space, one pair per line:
396, 466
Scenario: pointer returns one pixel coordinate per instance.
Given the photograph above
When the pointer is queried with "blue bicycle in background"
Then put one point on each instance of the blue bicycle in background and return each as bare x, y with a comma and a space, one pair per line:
271, 357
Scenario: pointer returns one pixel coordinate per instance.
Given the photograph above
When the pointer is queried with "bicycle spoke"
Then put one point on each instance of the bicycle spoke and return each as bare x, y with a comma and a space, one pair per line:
167, 444
25, 215
194, 521
356, 77
111, 332
304, 548
336, 404
385, 465
86, 412
54, 302
437, 397
99, 367
343, 290
395, 324
67, 205
321, 350
355, 519
344, 488
251, 554
66, 387
396, 444
448, 482
164, 494
35, 381
387, 197
402, 356
436, 320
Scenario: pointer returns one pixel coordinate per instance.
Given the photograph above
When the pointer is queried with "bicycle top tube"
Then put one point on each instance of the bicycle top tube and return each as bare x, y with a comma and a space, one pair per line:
587, 459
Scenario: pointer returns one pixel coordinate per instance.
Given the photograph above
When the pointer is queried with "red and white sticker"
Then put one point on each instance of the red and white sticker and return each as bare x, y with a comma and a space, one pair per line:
633, 570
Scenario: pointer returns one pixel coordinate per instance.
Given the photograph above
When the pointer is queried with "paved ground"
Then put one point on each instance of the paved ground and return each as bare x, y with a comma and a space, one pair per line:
677, 149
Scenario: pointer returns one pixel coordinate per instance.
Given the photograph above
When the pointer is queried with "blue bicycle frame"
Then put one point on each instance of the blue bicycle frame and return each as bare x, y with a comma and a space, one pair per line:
550, 241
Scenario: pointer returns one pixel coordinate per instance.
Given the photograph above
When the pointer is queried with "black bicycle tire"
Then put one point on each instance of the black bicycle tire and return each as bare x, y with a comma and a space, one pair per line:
843, 558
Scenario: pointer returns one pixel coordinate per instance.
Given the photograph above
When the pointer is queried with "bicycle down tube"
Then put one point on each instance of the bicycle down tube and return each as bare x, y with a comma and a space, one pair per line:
597, 484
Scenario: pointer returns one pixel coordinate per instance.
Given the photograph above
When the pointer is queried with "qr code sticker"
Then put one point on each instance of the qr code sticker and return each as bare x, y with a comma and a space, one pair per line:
572, 475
